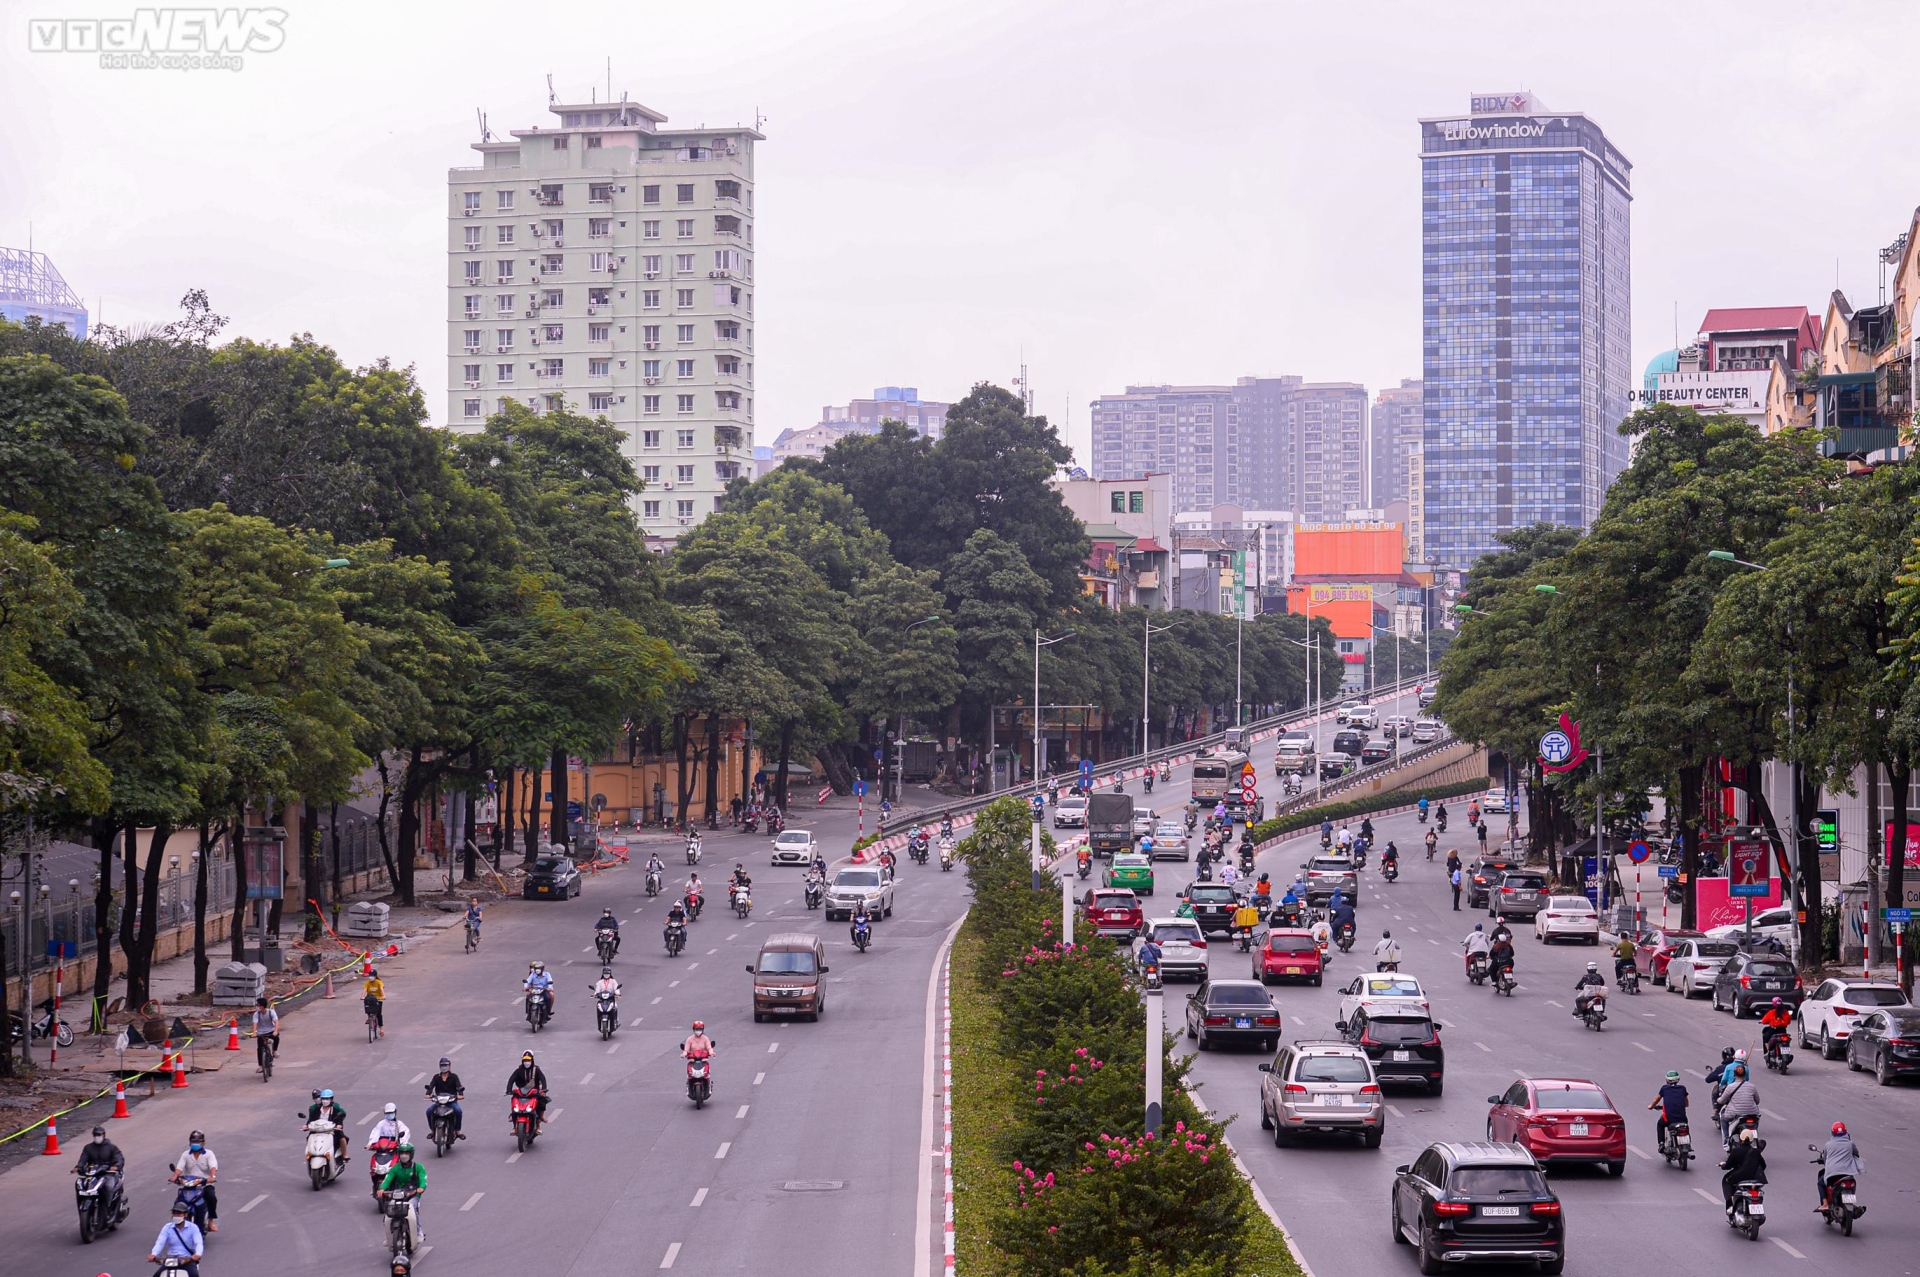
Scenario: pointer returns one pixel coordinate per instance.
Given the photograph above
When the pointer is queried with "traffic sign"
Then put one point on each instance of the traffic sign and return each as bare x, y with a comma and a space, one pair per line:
1669, 871
859, 789
1747, 869
1086, 768
1899, 915
1247, 773
1638, 851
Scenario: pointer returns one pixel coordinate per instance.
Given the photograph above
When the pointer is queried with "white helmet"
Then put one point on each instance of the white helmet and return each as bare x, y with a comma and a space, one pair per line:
390, 1110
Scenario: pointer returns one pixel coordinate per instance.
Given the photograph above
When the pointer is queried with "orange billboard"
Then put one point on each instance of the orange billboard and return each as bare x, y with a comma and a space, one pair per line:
1349, 549
1348, 608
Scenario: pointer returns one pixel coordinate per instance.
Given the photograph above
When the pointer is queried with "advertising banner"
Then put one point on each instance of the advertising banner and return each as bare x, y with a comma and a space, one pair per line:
1715, 907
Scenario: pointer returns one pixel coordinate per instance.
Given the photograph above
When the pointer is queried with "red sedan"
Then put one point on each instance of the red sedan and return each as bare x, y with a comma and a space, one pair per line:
1654, 947
1560, 1120
1287, 955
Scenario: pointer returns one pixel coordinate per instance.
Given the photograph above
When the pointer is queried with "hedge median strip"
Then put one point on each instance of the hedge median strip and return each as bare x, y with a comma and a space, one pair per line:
1310, 817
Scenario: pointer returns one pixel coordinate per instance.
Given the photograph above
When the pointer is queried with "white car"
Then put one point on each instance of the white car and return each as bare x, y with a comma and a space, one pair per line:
1071, 812
1345, 713
1398, 725
1567, 918
1426, 731
793, 847
1828, 1014
1183, 950
1386, 991
1771, 924
1696, 963
1496, 800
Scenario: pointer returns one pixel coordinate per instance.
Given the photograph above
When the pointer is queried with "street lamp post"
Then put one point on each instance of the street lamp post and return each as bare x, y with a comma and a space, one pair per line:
1038, 643
1146, 675
894, 780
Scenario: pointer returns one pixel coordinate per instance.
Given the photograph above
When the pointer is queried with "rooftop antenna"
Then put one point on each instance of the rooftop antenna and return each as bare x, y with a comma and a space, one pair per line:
1890, 256
550, 97
758, 119
609, 77
486, 134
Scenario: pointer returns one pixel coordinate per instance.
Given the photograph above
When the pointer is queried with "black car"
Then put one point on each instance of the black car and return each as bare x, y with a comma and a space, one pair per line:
1750, 980
1213, 904
1232, 1011
1403, 1045
1476, 1201
1484, 879
1377, 750
1349, 743
1888, 1042
552, 878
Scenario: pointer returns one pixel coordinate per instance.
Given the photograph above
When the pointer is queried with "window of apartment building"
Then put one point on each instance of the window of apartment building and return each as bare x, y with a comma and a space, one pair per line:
599, 332
473, 237
651, 438
553, 297
728, 365
684, 192
600, 402
727, 259
649, 195
560, 141
471, 200
600, 193
650, 264
470, 408
650, 368
553, 332
599, 227
727, 329
599, 296
684, 332
553, 195
650, 406
683, 474
552, 264
597, 262
684, 228
503, 374
683, 298
503, 201
684, 438
473, 272
727, 399
470, 373
472, 301
650, 334
556, 402
726, 471
650, 509
555, 368
1136, 503
726, 295
683, 509
684, 403
503, 271
594, 141
503, 233
650, 230
503, 304
683, 368
650, 474
556, 230
599, 367
726, 188
503, 339
650, 299
471, 339
500, 405
683, 262
1117, 502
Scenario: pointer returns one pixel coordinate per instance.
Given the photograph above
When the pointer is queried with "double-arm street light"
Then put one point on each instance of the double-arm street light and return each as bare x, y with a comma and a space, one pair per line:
1146, 674
1038, 643
893, 780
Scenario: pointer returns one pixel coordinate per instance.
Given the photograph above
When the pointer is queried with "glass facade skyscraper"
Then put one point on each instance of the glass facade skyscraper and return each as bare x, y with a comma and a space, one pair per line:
1525, 274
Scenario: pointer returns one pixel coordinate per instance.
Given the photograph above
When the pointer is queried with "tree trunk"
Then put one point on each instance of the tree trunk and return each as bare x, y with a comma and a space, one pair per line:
557, 817
6, 1013
683, 788
1689, 834
503, 831
780, 776
1813, 942
1899, 776
1876, 866
386, 809
531, 824
746, 759
412, 784
333, 839
236, 930
713, 771
200, 907
130, 884
140, 957
104, 832
311, 879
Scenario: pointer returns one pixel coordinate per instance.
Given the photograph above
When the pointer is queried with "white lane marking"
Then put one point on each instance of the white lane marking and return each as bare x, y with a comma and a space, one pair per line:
1520, 1072
734, 936
673, 984
758, 1078
699, 1195
1297, 1020
455, 1048
654, 1003
1394, 1109
723, 1150
772, 1047
673, 1252
567, 963
1409, 928
1550, 1002
553, 1115
1649, 1050
1710, 1197
692, 965
1783, 1246
422, 1253
1645, 1157
616, 1045
743, 1111
1484, 1047
1433, 942
512, 1158
473, 1201
1772, 1116
588, 1078
588, 949
418, 1078
488, 1022
711, 952
368, 1118
255, 1202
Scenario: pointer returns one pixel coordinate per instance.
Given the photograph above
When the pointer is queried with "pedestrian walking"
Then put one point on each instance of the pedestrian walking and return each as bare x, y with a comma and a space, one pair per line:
1454, 879
1483, 837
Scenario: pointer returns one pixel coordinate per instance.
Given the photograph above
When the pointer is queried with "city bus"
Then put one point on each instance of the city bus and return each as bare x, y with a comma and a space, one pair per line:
1216, 779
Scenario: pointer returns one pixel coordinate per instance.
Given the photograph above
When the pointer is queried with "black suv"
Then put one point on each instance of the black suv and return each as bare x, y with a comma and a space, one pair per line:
1403, 1045
1460, 1202
1484, 878
1213, 904
1751, 980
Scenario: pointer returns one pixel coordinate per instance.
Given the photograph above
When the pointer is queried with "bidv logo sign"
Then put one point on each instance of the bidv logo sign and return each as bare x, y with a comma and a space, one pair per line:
1489, 104
164, 39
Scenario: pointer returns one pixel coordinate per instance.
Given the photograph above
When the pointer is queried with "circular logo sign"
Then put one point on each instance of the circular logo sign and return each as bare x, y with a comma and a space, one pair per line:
1556, 746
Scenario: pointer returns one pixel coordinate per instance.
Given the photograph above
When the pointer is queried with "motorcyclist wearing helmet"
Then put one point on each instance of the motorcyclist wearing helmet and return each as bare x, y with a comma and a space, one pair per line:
1740, 1098
447, 1082
1744, 1162
608, 922
405, 1173
1476, 942
1591, 980
607, 984
530, 1077
859, 918
1773, 1026
1672, 1103
1391, 855
1386, 952
389, 1127
104, 1155
698, 1045
1263, 888
1840, 1157
539, 982
180, 1236
374, 998
325, 1106
1500, 955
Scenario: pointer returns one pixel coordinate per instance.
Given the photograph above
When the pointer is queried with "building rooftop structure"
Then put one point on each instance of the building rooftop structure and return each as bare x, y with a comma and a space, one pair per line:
31, 287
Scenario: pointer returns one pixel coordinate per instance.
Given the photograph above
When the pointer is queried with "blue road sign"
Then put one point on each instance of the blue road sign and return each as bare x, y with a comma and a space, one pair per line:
1637, 851
1086, 767
1669, 871
859, 789
879, 755
1899, 915
574, 810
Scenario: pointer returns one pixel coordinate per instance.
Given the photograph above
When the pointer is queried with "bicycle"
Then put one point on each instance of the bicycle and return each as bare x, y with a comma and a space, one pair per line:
264, 1050
473, 937
373, 1019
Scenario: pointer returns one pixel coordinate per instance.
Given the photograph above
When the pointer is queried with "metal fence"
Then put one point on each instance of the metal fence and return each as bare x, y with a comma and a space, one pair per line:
359, 843
67, 916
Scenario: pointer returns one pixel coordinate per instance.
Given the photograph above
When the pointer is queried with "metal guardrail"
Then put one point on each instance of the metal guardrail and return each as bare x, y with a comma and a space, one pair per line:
1353, 779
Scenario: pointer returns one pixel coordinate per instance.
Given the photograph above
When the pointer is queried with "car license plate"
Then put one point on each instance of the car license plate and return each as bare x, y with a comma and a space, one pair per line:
1504, 1212
1684, 1140
1577, 1128
1242, 1022
1402, 1056
544, 890
1293, 970
1333, 1101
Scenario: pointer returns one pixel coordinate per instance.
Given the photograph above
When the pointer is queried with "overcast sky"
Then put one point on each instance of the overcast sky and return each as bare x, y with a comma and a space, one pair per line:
1119, 192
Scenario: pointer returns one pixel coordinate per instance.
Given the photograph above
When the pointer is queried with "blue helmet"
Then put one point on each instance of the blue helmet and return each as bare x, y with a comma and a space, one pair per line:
326, 1094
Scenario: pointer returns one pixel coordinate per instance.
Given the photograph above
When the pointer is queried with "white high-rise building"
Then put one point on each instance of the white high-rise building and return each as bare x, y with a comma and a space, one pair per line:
606, 262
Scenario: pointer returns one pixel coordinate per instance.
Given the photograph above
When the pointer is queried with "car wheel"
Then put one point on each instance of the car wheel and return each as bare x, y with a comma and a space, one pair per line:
1316, 982
1853, 1064
1881, 1074
1490, 1138
1435, 1087
1741, 1008
1554, 1267
1202, 1039
1806, 1039
1372, 1138
1617, 1169
1827, 1045
1281, 1136
1430, 1263
759, 1018
1190, 1032
1266, 1118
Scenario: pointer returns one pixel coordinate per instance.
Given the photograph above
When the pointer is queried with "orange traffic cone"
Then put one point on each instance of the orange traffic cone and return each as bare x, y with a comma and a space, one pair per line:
179, 1071
366, 963
166, 1056
53, 1139
233, 1034
329, 993
120, 1098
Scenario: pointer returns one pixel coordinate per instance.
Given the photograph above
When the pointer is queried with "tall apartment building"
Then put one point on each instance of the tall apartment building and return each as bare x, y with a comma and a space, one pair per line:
889, 403
1525, 360
1396, 434
1326, 423
606, 262
1190, 433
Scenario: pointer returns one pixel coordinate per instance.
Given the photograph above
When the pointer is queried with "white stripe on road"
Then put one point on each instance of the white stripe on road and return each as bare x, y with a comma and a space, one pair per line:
758, 1078
1484, 1047
1644, 1047
1710, 1197
418, 1078
775, 1046
1645, 1157
455, 1048
673, 1252
1772, 1116
512, 1158
692, 965
588, 1078
1297, 1020
723, 1150
255, 1202
654, 1003
1394, 1109
1550, 1002
711, 952
734, 936
742, 1112
616, 1045
1783, 1246
553, 1115
473, 1201
488, 1022
673, 984
368, 1118
699, 1195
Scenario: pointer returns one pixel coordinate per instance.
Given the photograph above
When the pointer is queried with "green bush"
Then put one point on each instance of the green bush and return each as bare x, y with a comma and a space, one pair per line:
1310, 817
1055, 995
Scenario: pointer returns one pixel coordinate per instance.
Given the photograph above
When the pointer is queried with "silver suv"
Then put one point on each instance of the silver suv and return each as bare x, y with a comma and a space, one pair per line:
1183, 950
1328, 874
1522, 892
856, 883
1321, 1086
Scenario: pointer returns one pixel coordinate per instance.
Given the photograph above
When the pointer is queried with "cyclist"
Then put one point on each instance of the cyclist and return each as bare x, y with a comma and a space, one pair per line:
266, 1031
374, 999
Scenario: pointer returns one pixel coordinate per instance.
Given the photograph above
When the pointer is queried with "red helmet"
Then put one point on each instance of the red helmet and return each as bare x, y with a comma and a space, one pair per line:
699, 1026
1839, 1128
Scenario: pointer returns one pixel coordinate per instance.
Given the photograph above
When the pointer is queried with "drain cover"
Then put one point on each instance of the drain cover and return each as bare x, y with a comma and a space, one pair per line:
813, 1185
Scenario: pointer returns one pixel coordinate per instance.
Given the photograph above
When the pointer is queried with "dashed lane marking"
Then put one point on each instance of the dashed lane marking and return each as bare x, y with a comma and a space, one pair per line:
1783, 1246
772, 1047
1297, 1020
1645, 1157
1710, 1197
488, 1022
1772, 1116
1550, 1002
673, 984
255, 1202
1394, 1109
673, 1252
588, 1078
723, 1150
1644, 1047
711, 952
512, 1158
758, 1078
473, 1201
616, 1045
692, 965
368, 1118
734, 936
1484, 1047
654, 1003
455, 1048
418, 1078
699, 1195
743, 1111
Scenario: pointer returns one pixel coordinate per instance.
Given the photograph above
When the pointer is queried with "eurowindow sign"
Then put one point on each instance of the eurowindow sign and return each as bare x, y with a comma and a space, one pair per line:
1474, 131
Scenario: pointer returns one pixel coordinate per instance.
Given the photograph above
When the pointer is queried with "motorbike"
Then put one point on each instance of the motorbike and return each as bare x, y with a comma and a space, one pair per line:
1423, 815
403, 1227
1166, 773
946, 857
654, 877
1440, 822
1193, 818
693, 851
1677, 1145
699, 1079
1326, 839
606, 1013
320, 1154
775, 822
751, 822
101, 1203
1595, 1013
815, 893
1243, 936
1503, 981
1246, 858
1675, 892
1390, 869
1777, 1056
1344, 937
523, 1111
1205, 872
862, 935
607, 941
742, 902
44, 1026
440, 1123
538, 1011
1842, 1203
385, 1151
1477, 967
1746, 1122
193, 1192
676, 939
917, 848
693, 902
1630, 979
1387, 965
1749, 1209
